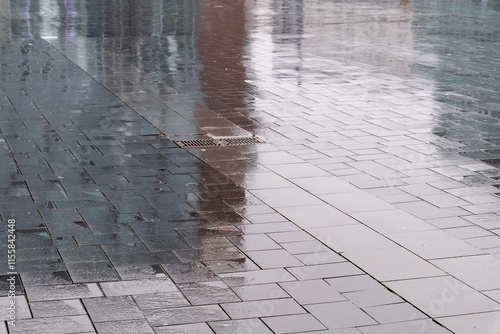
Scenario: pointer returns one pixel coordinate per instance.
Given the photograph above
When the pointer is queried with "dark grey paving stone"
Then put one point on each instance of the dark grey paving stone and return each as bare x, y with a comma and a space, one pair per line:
161, 300
92, 272
112, 309
208, 293
164, 243
138, 272
231, 266
62, 292
57, 308
138, 287
82, 254
124, 327
56, 325
185, 315
143, 258
46, 278
190, 272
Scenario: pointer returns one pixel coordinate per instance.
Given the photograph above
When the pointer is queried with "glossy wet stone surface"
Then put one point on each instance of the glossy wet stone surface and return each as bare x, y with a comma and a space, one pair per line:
379, 169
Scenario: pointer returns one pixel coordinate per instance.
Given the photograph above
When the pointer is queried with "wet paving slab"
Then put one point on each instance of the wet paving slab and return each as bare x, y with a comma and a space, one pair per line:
380, 125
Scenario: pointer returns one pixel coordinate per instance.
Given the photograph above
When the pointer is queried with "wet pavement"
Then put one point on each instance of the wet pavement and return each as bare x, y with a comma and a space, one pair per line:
371, 207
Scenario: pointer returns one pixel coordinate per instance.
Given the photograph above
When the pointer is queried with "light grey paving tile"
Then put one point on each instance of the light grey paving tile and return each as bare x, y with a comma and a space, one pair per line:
276, 258
124, 288
315, 258
112, 309
184, 315
262, 308
268, 228
293, 323
257, 277
480, 323
394, 313
316, 216
354, 283
246, 326
449, 222
293, 236
466, 269
488, 221
124, 327
444, 200
443, 296
160, 300
492, 241
22, 310
184, 329
468, 232
392, 221
56, 325
336, 331
426, 210
393, 264
434, 244
409, 327
324, 185
493, 294
356, 202
312, 292
325, 271
340, 315
351, 237
260, 292
305, 247
57, 308
372, 297
285, 197
59, 292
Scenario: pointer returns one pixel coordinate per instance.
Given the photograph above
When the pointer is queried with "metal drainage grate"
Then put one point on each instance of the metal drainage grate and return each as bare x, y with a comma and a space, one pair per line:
220, 142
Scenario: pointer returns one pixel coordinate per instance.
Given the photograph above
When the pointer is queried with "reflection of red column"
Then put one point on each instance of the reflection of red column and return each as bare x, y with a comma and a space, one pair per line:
221, 42
405, 3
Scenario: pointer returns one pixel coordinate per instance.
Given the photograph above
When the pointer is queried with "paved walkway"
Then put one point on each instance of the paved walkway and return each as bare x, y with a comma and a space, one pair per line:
372, 207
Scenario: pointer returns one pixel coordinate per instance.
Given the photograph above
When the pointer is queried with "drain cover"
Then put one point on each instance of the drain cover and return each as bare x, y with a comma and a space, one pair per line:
220, 142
